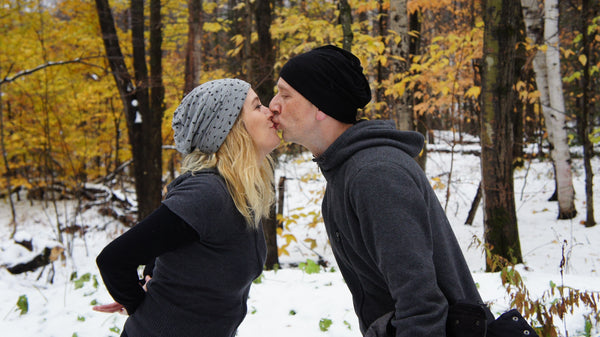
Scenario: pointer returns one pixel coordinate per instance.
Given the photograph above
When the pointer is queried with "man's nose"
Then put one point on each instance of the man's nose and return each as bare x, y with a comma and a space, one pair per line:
273, 106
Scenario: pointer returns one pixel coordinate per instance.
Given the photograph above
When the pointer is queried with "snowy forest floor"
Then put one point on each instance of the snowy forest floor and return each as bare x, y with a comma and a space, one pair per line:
302, 299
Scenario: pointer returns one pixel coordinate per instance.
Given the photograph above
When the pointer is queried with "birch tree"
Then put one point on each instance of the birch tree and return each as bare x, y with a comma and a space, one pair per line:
560, 147
399, 62
541, 22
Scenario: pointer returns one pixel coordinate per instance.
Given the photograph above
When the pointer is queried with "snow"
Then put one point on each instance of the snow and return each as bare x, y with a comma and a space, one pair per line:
290, 301
138, 117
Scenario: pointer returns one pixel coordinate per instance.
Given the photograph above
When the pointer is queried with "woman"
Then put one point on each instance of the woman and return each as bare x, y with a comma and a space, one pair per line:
206, 238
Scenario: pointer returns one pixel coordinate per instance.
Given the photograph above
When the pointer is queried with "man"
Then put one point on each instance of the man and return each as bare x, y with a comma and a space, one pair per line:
389, 234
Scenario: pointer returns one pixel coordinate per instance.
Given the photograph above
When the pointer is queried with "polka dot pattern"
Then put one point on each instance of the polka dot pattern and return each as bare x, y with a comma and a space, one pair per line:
205, 116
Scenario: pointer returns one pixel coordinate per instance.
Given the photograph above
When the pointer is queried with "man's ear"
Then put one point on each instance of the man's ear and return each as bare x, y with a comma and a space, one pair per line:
321, 115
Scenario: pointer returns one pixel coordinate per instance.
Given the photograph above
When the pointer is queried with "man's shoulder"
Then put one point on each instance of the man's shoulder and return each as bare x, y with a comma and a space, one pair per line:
383, 155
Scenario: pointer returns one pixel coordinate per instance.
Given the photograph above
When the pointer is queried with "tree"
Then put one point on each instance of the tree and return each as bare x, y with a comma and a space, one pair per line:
541, 23
264, 79
142, 101
264, 83
399, 62
13, 219
345, 20
497, 104
421, 120
193, 53
556, 115
585, 102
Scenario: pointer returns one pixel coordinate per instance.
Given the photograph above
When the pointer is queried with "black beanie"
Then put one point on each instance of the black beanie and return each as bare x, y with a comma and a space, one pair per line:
332, 79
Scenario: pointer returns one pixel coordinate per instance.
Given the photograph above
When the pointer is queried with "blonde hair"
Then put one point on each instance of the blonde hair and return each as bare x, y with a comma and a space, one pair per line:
249, 183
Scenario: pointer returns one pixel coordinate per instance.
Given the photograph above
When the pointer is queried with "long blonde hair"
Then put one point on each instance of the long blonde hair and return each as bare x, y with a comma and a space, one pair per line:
249, 183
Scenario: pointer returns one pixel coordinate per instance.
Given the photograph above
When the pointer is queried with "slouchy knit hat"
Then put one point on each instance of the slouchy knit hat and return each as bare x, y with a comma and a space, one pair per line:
206, 115
332, 79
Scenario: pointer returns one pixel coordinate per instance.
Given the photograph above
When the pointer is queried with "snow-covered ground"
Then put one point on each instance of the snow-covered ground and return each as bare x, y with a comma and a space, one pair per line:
295, 301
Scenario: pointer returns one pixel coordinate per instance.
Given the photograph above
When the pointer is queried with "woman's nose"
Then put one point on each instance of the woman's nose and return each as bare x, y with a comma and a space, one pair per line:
267, 111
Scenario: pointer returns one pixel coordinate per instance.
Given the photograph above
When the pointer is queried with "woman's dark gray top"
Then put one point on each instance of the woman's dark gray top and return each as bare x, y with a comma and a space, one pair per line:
205, 255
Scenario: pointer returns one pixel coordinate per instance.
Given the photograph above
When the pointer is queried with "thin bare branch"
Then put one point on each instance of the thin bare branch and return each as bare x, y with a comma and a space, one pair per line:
81, 60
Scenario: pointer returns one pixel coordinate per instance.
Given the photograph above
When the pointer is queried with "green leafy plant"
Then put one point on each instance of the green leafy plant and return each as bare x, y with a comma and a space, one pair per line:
348, 325
325, 323
259, 279
23, 304
588, 328
309, 267
80, 282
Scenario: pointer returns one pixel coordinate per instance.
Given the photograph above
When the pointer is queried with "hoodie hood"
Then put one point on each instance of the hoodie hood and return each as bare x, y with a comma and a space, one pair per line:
367, 134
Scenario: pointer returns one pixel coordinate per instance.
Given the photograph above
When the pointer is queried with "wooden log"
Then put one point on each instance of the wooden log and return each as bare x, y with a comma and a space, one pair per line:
47, 256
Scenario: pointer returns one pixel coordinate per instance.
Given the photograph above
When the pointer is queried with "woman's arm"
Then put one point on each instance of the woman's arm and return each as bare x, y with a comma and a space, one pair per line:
160, 232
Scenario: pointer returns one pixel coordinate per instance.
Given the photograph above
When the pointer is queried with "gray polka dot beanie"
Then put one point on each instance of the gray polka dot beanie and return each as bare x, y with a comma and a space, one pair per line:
205, 116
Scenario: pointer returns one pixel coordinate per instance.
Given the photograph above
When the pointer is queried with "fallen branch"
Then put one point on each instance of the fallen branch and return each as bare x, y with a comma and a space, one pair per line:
45, 257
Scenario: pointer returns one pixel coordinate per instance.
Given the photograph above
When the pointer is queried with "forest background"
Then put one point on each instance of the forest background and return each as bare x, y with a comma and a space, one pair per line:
88, 89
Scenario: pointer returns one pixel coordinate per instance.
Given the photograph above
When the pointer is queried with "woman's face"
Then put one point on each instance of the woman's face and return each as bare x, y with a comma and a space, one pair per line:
260, 126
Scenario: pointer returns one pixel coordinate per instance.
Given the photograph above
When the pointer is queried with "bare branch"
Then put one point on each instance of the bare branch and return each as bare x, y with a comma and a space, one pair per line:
81, 60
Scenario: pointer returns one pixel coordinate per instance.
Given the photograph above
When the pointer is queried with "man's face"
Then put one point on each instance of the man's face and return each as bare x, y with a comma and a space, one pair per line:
293, 114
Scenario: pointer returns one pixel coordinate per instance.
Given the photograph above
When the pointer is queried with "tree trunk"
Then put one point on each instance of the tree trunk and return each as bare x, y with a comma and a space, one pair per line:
147, 152
264, 83
560, 147
474, 206
345, 20
264, 80
583, 120
382, 72
497, 102
521, 75
422, 124
157, 109
401, 110
248, 70
193, 53
13, 219
541, 23
533, 15
143, 123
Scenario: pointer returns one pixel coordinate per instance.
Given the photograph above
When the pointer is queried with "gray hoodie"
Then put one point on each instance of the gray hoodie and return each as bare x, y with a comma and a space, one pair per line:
389, 234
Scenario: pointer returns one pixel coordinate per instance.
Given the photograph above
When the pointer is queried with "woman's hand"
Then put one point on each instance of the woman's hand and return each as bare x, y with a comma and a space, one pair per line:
111, 308
117, 307
146, 279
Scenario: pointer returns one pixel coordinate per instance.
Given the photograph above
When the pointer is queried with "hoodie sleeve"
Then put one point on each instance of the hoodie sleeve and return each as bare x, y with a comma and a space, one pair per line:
395, 227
